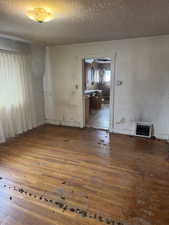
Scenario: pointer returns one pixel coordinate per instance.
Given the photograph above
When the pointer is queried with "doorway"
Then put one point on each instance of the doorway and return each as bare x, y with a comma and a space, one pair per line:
97, 85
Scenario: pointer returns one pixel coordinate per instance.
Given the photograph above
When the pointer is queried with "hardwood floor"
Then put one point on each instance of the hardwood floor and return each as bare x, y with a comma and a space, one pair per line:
69, 176
99, 118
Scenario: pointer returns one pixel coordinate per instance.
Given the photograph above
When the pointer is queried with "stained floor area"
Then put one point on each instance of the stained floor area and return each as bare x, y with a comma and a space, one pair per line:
99, 118
71, 176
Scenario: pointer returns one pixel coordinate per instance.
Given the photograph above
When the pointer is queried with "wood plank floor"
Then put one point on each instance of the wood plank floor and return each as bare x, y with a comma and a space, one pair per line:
99, 118
71, 176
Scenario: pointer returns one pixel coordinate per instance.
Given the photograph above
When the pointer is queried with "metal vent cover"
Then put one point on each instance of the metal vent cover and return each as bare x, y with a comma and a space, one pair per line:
144, 129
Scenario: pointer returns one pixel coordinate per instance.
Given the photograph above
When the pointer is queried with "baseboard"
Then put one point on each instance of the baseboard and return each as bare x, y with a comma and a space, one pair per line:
63, 123
40, 123
53, 122
122, 131
162, 136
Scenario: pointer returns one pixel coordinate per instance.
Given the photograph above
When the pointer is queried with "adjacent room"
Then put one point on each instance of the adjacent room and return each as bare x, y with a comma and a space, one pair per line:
97, 84
84, 112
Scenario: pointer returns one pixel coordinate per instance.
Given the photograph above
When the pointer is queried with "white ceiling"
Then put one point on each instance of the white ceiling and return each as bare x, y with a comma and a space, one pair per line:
85, 21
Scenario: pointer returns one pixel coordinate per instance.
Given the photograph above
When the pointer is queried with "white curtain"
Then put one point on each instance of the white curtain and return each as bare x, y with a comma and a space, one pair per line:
17, 110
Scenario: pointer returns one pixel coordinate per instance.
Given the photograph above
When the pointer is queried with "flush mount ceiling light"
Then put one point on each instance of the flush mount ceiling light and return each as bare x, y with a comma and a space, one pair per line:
40, 15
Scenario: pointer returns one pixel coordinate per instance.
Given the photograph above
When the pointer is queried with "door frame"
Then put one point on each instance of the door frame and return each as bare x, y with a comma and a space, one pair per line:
113, 57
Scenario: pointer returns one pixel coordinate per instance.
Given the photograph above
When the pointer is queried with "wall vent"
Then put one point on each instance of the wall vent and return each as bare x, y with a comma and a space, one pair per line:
144, 129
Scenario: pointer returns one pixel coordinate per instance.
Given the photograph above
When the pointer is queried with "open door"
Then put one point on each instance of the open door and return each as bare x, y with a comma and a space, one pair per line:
97, 86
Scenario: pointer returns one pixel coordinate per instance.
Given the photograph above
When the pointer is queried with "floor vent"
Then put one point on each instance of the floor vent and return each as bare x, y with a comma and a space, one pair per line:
144, 129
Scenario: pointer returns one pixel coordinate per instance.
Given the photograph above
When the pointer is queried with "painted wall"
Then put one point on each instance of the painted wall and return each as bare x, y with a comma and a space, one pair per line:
12, 45
37, 53
143, 66
38, 69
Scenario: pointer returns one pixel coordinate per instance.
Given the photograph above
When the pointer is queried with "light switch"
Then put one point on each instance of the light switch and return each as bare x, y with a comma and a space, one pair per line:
119, 82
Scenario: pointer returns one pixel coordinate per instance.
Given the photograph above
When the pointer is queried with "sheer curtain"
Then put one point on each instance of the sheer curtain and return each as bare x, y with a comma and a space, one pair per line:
17, 110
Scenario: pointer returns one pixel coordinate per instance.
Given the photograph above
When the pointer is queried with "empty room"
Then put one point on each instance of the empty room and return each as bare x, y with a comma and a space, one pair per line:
84, 112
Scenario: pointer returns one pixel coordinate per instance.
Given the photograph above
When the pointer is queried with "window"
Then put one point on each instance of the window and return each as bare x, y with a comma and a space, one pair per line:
107, 76
96, 76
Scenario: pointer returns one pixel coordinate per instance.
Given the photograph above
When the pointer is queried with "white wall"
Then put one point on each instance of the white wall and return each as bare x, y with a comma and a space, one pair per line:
12, 45
38, 69
143, 66
37, 53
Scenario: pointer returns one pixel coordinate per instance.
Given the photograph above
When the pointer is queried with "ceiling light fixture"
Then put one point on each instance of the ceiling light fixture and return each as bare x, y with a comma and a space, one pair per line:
40, 15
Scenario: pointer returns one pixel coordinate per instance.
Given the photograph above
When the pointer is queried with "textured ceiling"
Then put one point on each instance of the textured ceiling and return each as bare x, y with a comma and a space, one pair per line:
85, 21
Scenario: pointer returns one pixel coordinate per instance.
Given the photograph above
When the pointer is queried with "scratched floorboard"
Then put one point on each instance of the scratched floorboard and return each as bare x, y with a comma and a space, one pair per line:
69, 176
